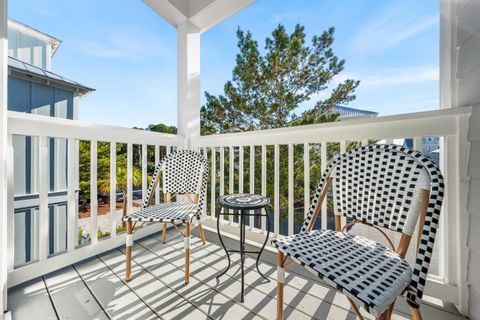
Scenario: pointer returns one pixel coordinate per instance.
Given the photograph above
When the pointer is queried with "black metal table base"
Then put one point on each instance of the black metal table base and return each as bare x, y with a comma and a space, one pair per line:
242, 250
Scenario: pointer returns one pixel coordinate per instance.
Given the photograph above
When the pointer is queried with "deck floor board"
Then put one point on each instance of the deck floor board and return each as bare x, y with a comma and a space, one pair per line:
96, 289
71, 297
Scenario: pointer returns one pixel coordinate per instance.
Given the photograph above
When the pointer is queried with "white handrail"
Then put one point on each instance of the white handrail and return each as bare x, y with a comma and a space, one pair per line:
37, 125
434, 123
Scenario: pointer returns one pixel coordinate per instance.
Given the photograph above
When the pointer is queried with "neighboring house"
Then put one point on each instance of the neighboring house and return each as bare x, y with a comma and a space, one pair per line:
347, 113
33, 88
430, 147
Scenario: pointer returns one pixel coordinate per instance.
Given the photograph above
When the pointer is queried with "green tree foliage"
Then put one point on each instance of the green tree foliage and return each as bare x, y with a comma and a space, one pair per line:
121, 183
103, 170
266, 89
163, 128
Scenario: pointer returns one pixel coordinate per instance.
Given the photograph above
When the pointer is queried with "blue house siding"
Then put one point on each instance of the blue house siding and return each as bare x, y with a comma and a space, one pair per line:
32, 97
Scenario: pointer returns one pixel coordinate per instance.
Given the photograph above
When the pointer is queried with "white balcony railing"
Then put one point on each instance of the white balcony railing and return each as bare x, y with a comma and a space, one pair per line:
443, 129
276, 163
44, 258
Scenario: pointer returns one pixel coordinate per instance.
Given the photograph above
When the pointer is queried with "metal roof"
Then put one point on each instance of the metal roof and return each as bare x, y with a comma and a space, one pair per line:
350, 113
34, 71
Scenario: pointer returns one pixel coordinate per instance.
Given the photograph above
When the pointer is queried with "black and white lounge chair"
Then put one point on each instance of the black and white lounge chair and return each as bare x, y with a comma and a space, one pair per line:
382, 186
184, 174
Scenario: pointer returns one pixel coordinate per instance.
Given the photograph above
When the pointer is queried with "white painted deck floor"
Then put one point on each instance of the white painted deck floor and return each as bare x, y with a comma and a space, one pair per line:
95, 288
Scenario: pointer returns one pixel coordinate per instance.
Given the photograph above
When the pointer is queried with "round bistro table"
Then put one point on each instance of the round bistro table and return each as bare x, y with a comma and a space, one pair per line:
243, 205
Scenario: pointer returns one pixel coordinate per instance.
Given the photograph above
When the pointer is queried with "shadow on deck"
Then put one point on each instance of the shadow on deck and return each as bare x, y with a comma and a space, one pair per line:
95, 288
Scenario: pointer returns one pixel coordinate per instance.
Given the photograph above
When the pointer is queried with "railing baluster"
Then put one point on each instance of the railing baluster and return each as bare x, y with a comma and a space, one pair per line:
417, 145
343, 148
157, 161
222, 176
71, 201
290, 220
205, 201
93, 191
231, 172
323, 159
129, 177
240, 169
213, 182
252, 181
365, 229
10, 204
113, 189
43, 184
264, 182
77, 183
306, 178
144, 170
276, 197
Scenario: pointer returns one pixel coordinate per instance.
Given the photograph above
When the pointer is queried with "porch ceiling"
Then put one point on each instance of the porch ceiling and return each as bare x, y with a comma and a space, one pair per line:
203, 14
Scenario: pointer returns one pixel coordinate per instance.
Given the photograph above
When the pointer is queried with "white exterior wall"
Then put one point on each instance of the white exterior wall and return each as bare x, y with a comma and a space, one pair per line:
28, 49
466, 92
3, 157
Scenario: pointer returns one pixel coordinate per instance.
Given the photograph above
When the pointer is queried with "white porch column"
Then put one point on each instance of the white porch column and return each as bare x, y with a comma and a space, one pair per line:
188, 81
3, 156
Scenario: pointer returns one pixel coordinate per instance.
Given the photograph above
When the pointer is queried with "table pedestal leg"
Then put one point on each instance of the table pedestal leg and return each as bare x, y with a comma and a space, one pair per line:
242, 253
264, 244
223, 245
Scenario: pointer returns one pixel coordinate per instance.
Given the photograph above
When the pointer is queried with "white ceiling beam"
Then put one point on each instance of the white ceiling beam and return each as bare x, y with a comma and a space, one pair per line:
216, 12
203, 14
167, 10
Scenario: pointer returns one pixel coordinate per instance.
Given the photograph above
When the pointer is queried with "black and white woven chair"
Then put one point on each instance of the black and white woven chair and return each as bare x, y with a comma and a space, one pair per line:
184, 174
382, 186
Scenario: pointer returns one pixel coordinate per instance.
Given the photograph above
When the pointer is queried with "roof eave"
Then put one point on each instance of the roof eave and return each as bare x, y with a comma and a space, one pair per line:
81, 89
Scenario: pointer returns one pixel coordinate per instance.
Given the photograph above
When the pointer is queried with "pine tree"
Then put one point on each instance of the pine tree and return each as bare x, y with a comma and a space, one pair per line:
266, 89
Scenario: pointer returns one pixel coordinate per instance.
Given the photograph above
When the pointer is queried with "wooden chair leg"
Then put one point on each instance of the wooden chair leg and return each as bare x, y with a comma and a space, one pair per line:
383, 316
128, 251
280, 285
416, 315
355, 308
164, 233
187, 252
202, 234
390, 310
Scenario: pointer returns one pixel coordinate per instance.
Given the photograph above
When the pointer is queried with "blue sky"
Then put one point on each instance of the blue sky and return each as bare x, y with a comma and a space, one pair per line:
128, 53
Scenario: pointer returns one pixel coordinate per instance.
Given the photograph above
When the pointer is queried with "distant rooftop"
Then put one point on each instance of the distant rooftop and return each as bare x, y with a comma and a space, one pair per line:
351, 113
26, 69
54, 42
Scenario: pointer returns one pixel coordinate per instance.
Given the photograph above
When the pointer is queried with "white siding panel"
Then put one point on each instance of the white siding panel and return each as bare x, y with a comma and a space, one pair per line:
474, 134
474, 170
473, 244
468, 92
474, 267
468, 55
473, 197
474, 308
468, 22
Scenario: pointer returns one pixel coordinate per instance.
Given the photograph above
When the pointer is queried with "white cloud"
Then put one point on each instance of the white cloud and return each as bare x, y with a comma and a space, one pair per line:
398, 76
390, 28
133, 44
280, 17
392, 76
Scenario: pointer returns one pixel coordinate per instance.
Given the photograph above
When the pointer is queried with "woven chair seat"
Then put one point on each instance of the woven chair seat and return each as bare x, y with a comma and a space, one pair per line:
174, 212
369, 273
